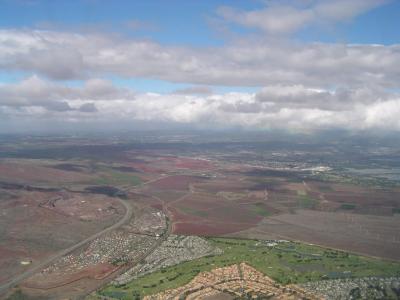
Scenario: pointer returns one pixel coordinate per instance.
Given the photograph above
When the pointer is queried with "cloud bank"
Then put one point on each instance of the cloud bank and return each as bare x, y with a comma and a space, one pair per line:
58, 55
296, 106
299, 85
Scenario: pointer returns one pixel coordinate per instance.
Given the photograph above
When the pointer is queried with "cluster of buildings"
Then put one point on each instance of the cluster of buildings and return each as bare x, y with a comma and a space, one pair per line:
237, 280
150, 222
175, 250
356, 288
127, 244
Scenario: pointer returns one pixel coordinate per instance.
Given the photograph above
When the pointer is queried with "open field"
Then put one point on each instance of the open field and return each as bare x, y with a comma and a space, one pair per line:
32, 173
35, 225
371, 235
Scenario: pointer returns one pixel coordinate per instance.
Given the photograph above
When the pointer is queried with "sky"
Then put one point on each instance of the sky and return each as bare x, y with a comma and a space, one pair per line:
295, 65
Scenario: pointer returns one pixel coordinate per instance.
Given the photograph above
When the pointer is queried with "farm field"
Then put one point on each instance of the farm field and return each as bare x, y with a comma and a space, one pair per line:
371, 235
338, 215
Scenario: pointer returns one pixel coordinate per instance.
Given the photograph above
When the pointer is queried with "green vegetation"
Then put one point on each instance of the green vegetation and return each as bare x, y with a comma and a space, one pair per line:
305, 201
287, 262
231, 196
396, 210
301, 193
117, 178
325, 188
348, 206
260, 209
19, 295
364, 181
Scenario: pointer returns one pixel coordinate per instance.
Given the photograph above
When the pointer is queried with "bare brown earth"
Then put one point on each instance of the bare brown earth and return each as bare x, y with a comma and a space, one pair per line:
35, 225
97, 272
92, 265
70, 288
371, 235
28, 172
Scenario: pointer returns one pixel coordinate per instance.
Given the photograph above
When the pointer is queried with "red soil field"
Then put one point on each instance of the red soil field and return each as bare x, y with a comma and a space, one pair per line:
157, 206
197, 202
51, 281
193, 164
219, 216
180, 216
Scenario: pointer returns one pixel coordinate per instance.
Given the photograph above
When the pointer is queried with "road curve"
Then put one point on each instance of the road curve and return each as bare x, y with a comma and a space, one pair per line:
17, 279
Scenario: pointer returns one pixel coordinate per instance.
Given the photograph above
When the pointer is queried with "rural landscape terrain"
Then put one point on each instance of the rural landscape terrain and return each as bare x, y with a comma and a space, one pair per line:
200, 150
163, 218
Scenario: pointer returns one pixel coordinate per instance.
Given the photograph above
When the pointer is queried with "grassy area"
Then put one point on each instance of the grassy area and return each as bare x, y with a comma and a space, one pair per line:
348, 206
357, 180
396, 210
260, 209
305, 201
301, 193
117, 178
326, 188
287, 262
17, 295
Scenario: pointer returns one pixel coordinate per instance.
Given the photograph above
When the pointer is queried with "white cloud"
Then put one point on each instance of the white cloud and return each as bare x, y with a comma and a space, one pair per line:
243, 63
299, 96
295, 107
281, 17
301, 86
36, 92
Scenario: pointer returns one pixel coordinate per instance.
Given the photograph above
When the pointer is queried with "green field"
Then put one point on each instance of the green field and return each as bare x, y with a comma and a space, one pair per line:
306, 201
260, 209
396, 210
117, 178
348, 206
288, 262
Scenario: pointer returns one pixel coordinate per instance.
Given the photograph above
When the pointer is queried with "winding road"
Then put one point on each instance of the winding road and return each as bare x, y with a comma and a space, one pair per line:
17, 279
